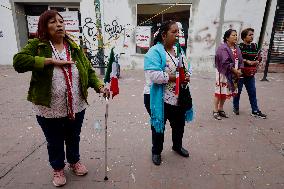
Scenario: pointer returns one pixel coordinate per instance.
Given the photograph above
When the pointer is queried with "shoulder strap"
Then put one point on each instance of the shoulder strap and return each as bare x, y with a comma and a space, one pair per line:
171, 58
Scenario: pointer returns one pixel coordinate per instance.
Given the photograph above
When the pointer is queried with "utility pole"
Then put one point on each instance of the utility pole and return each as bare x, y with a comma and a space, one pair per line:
100, 54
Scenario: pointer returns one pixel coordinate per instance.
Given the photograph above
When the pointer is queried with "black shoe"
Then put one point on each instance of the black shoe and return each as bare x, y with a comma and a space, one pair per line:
156, 158
236, 111
258, 114
222, 113
183, 152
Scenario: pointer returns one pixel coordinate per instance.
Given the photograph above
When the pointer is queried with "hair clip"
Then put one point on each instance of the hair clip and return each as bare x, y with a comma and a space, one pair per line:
157, 32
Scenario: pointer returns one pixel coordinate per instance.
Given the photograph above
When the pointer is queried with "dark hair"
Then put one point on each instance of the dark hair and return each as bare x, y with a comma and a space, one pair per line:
42, 31
245, 32
227, 34
165, 27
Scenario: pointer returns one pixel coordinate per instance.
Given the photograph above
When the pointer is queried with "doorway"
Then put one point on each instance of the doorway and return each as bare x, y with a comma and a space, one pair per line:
156, 14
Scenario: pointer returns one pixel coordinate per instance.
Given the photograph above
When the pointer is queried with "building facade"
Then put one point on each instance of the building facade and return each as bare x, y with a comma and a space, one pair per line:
130, 25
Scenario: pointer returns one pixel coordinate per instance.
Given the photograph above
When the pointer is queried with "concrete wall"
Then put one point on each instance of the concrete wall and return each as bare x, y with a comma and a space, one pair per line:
203, 33
208, 26
20, 24
208, 21
8, 44
117, 19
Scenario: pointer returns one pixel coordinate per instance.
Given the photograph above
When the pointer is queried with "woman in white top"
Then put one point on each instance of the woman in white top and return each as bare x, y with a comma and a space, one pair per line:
160, 67
61, 75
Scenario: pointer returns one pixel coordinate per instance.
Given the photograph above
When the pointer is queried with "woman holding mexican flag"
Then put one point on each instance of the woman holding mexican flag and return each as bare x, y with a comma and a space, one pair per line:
163, 79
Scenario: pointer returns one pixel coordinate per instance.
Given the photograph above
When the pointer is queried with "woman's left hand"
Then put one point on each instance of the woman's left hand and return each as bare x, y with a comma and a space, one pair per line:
105, 91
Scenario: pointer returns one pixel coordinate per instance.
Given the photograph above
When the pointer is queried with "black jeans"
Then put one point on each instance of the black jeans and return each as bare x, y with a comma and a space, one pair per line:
60, 130
176, 117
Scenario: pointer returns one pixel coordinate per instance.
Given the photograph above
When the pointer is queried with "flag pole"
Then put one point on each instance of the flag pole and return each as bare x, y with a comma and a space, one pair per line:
106, 117
100, 53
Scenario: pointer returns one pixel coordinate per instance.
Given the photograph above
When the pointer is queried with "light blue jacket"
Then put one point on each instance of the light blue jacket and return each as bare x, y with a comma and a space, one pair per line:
155, 59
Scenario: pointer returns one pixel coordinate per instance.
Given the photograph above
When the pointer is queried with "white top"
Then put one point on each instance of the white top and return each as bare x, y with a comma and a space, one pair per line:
169, 94
161, 77
59, 93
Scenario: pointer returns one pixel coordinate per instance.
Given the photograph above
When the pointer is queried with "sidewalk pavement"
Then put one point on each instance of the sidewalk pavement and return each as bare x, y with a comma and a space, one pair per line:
241, 152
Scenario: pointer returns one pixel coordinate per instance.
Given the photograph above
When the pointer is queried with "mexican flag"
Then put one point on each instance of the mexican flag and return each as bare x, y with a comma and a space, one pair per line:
180, 73
111, 74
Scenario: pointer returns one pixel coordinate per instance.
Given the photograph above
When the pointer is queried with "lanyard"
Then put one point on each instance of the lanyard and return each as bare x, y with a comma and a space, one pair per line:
176, 64
68, 77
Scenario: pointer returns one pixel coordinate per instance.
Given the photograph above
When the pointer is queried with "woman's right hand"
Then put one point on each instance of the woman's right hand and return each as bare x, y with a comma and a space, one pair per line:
238, 73
105, 91
52, 61
172, 78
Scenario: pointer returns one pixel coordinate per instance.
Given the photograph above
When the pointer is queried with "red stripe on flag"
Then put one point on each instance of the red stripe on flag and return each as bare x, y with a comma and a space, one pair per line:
177, 83
114, 86
181, 75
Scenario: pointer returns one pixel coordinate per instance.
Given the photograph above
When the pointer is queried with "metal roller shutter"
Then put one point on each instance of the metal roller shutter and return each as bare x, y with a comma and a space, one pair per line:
277, 50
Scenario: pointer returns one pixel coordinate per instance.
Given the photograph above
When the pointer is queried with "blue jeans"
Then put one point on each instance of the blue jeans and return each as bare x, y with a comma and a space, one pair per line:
249, 83
60, 130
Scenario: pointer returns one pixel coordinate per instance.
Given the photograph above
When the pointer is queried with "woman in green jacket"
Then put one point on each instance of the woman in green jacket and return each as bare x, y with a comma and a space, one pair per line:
61, 75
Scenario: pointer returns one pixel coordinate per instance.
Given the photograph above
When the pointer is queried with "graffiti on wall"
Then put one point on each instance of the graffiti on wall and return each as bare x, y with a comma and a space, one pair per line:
207, 35
90, 37
204, 36
90, 32
114, 29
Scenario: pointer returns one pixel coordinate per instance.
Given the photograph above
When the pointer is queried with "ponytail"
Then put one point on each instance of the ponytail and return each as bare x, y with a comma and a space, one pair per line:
165, 27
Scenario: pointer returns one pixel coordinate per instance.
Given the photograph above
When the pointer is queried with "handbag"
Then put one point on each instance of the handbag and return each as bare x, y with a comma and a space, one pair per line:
184, 97
249, 71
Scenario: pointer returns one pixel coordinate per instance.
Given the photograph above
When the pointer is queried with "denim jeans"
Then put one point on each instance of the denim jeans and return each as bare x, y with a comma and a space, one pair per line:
249, 83
60, 130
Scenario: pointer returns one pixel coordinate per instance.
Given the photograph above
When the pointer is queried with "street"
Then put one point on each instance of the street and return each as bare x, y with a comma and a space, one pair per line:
241, 152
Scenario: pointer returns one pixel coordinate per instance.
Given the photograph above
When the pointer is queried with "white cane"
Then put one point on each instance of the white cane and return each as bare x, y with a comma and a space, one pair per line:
106, 116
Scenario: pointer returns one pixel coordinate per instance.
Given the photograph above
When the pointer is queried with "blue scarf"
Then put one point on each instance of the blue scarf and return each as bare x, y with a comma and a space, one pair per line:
155, 59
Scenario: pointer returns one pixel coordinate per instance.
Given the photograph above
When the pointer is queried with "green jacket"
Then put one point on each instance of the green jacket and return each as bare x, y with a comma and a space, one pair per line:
32, 58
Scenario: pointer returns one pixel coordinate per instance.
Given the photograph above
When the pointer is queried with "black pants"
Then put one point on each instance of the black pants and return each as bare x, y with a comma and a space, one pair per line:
58, 130
176, 117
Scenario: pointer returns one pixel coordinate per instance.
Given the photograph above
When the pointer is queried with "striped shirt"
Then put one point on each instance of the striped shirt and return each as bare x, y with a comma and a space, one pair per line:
249, 52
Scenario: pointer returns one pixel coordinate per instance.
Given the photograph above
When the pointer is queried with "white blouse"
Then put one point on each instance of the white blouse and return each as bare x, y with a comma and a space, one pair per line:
58, 105
171, 66
161, 77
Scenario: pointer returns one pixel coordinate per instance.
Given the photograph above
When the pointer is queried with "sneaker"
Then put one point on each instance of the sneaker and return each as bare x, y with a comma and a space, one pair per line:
216, 115
236, 111
59, 178
258, 114
78, 168
222, 113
